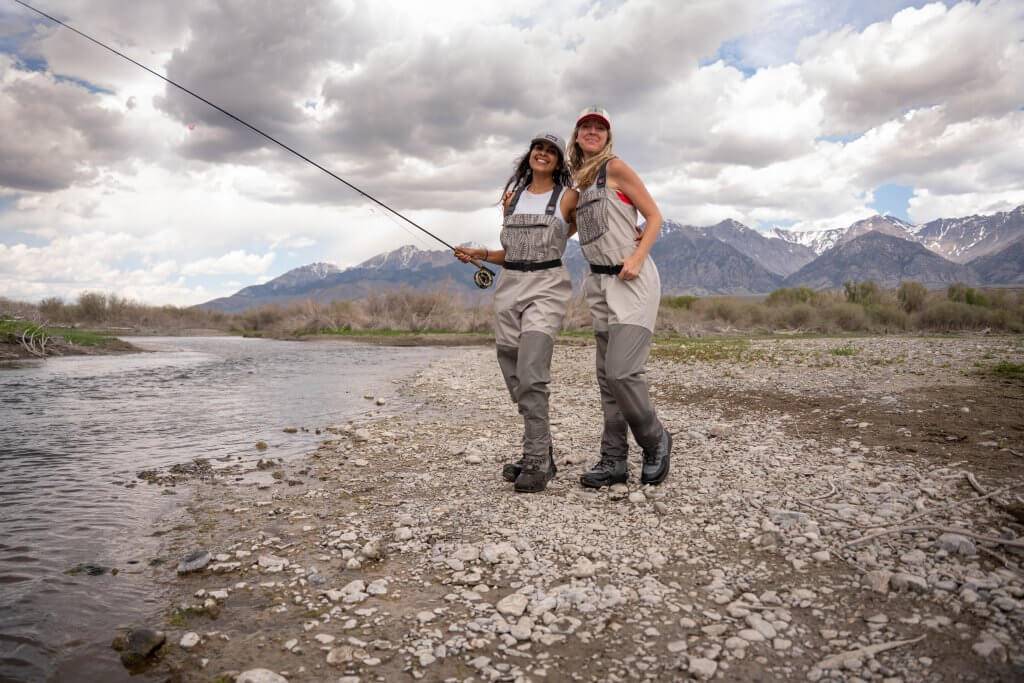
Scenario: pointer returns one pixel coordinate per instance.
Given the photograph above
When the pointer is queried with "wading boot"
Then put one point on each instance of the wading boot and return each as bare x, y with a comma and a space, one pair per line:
510, 471
537, 472
656, 461
608, 470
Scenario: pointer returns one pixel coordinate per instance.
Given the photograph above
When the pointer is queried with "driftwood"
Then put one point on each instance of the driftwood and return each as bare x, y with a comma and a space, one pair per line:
836, 661
1008, 542
34, 340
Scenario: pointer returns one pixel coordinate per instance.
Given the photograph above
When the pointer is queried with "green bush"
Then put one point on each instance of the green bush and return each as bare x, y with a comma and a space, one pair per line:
791, 295
912, 296
961, 293
863, 293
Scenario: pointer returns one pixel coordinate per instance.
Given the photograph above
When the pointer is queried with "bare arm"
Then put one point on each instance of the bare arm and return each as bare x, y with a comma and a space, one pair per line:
623, 178
466, 254
569, 201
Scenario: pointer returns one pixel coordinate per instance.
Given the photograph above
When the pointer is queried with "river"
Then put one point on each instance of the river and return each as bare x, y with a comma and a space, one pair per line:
75, 431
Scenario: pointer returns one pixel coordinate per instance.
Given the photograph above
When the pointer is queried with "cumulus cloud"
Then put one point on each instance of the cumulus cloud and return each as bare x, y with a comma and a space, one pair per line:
761, 111
238, 262
57, 133
968, 57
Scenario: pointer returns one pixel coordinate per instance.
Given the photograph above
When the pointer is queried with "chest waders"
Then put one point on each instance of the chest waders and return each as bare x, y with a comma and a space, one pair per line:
530, 302
624, 313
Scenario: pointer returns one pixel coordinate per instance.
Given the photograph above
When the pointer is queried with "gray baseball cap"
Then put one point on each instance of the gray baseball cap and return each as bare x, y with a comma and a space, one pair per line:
553, 139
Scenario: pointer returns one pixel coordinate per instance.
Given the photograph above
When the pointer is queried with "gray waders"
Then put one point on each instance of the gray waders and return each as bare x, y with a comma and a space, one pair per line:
624, 314
530, 302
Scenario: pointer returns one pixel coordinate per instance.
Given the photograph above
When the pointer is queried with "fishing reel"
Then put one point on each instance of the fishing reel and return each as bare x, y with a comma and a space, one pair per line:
483, 277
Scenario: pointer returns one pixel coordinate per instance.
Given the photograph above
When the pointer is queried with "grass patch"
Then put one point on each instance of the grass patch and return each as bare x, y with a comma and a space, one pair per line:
705, 350
1008, 370
845, 350
13, 328
178, 618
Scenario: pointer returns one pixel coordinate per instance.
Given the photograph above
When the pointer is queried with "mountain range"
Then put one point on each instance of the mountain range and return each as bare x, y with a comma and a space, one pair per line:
725, 258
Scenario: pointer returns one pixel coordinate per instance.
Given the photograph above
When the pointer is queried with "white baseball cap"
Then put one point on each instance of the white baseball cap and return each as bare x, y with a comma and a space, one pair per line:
594, 112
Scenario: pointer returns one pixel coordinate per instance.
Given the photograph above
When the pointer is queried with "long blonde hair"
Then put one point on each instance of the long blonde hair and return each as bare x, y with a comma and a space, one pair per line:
584, 171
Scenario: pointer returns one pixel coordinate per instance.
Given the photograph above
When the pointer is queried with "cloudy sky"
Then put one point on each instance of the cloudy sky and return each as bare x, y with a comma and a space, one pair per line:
798, 113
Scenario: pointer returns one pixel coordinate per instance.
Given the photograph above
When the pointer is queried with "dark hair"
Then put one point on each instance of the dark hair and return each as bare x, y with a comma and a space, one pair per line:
522, 175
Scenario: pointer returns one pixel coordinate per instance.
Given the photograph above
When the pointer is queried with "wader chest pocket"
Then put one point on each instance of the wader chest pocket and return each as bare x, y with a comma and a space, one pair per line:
530, 237
591, 215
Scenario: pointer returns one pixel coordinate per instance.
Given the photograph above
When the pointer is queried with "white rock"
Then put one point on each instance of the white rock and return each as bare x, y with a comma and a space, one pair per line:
324, 638
425, 617
956, 543
513, 604
637, 497
189, 640
989, 648
752, 635
260, 676
473, 459
915, 556
583, 568
677, 646
403, 533
702, 669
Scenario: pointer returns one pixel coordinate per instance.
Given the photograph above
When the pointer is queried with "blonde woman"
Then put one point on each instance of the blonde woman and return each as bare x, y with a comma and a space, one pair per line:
532, 295
623, 291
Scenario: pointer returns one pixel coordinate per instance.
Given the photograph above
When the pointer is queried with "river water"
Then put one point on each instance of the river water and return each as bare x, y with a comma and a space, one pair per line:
74, 431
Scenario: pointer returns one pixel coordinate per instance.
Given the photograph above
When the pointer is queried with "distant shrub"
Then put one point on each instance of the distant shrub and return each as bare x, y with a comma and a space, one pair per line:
791, 295
863, 293
848, 317
948, 316
52, 309
887, 318
92, 306
961, 293
912, 296
685, 301
727, 310
794, 317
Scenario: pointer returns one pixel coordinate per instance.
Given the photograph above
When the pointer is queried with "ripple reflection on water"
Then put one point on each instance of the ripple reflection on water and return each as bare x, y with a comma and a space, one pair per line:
74, 430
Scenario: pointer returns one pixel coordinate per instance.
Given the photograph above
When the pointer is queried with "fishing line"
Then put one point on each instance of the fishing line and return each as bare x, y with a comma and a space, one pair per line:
484, 277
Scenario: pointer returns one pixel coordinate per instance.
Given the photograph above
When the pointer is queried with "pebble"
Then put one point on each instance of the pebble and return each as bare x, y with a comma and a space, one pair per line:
260, 676
513, 604
702, 669
194, 561
189, 640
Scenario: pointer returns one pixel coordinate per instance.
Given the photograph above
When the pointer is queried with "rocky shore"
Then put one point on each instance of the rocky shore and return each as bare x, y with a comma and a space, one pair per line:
837, 510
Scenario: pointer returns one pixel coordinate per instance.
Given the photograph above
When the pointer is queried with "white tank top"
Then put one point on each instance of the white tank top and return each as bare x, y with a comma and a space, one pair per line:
537, 203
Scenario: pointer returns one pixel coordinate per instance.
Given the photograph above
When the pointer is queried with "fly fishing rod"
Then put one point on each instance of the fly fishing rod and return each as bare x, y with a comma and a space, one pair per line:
483, 277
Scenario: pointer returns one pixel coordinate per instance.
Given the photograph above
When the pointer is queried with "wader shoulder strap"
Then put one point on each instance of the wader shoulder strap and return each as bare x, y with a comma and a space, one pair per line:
602, 175
556, 192
511, 206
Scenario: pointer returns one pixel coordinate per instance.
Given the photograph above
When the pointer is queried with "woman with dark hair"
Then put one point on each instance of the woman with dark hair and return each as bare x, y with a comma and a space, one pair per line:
532, 295
623, 291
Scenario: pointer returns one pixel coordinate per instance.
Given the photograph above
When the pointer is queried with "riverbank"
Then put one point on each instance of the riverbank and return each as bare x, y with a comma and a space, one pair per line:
21, 341
837, 508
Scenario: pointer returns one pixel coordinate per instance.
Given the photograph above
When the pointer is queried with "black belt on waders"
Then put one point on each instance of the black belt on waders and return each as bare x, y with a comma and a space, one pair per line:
605, 270
530, 266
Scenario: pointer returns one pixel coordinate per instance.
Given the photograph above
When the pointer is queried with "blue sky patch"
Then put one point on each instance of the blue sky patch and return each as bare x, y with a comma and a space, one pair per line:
893, 200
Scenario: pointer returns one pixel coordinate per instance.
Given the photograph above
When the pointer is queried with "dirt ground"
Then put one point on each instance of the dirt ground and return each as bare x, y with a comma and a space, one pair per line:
772, 553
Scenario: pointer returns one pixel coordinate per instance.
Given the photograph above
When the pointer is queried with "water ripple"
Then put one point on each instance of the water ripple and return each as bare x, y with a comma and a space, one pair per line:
83, 427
